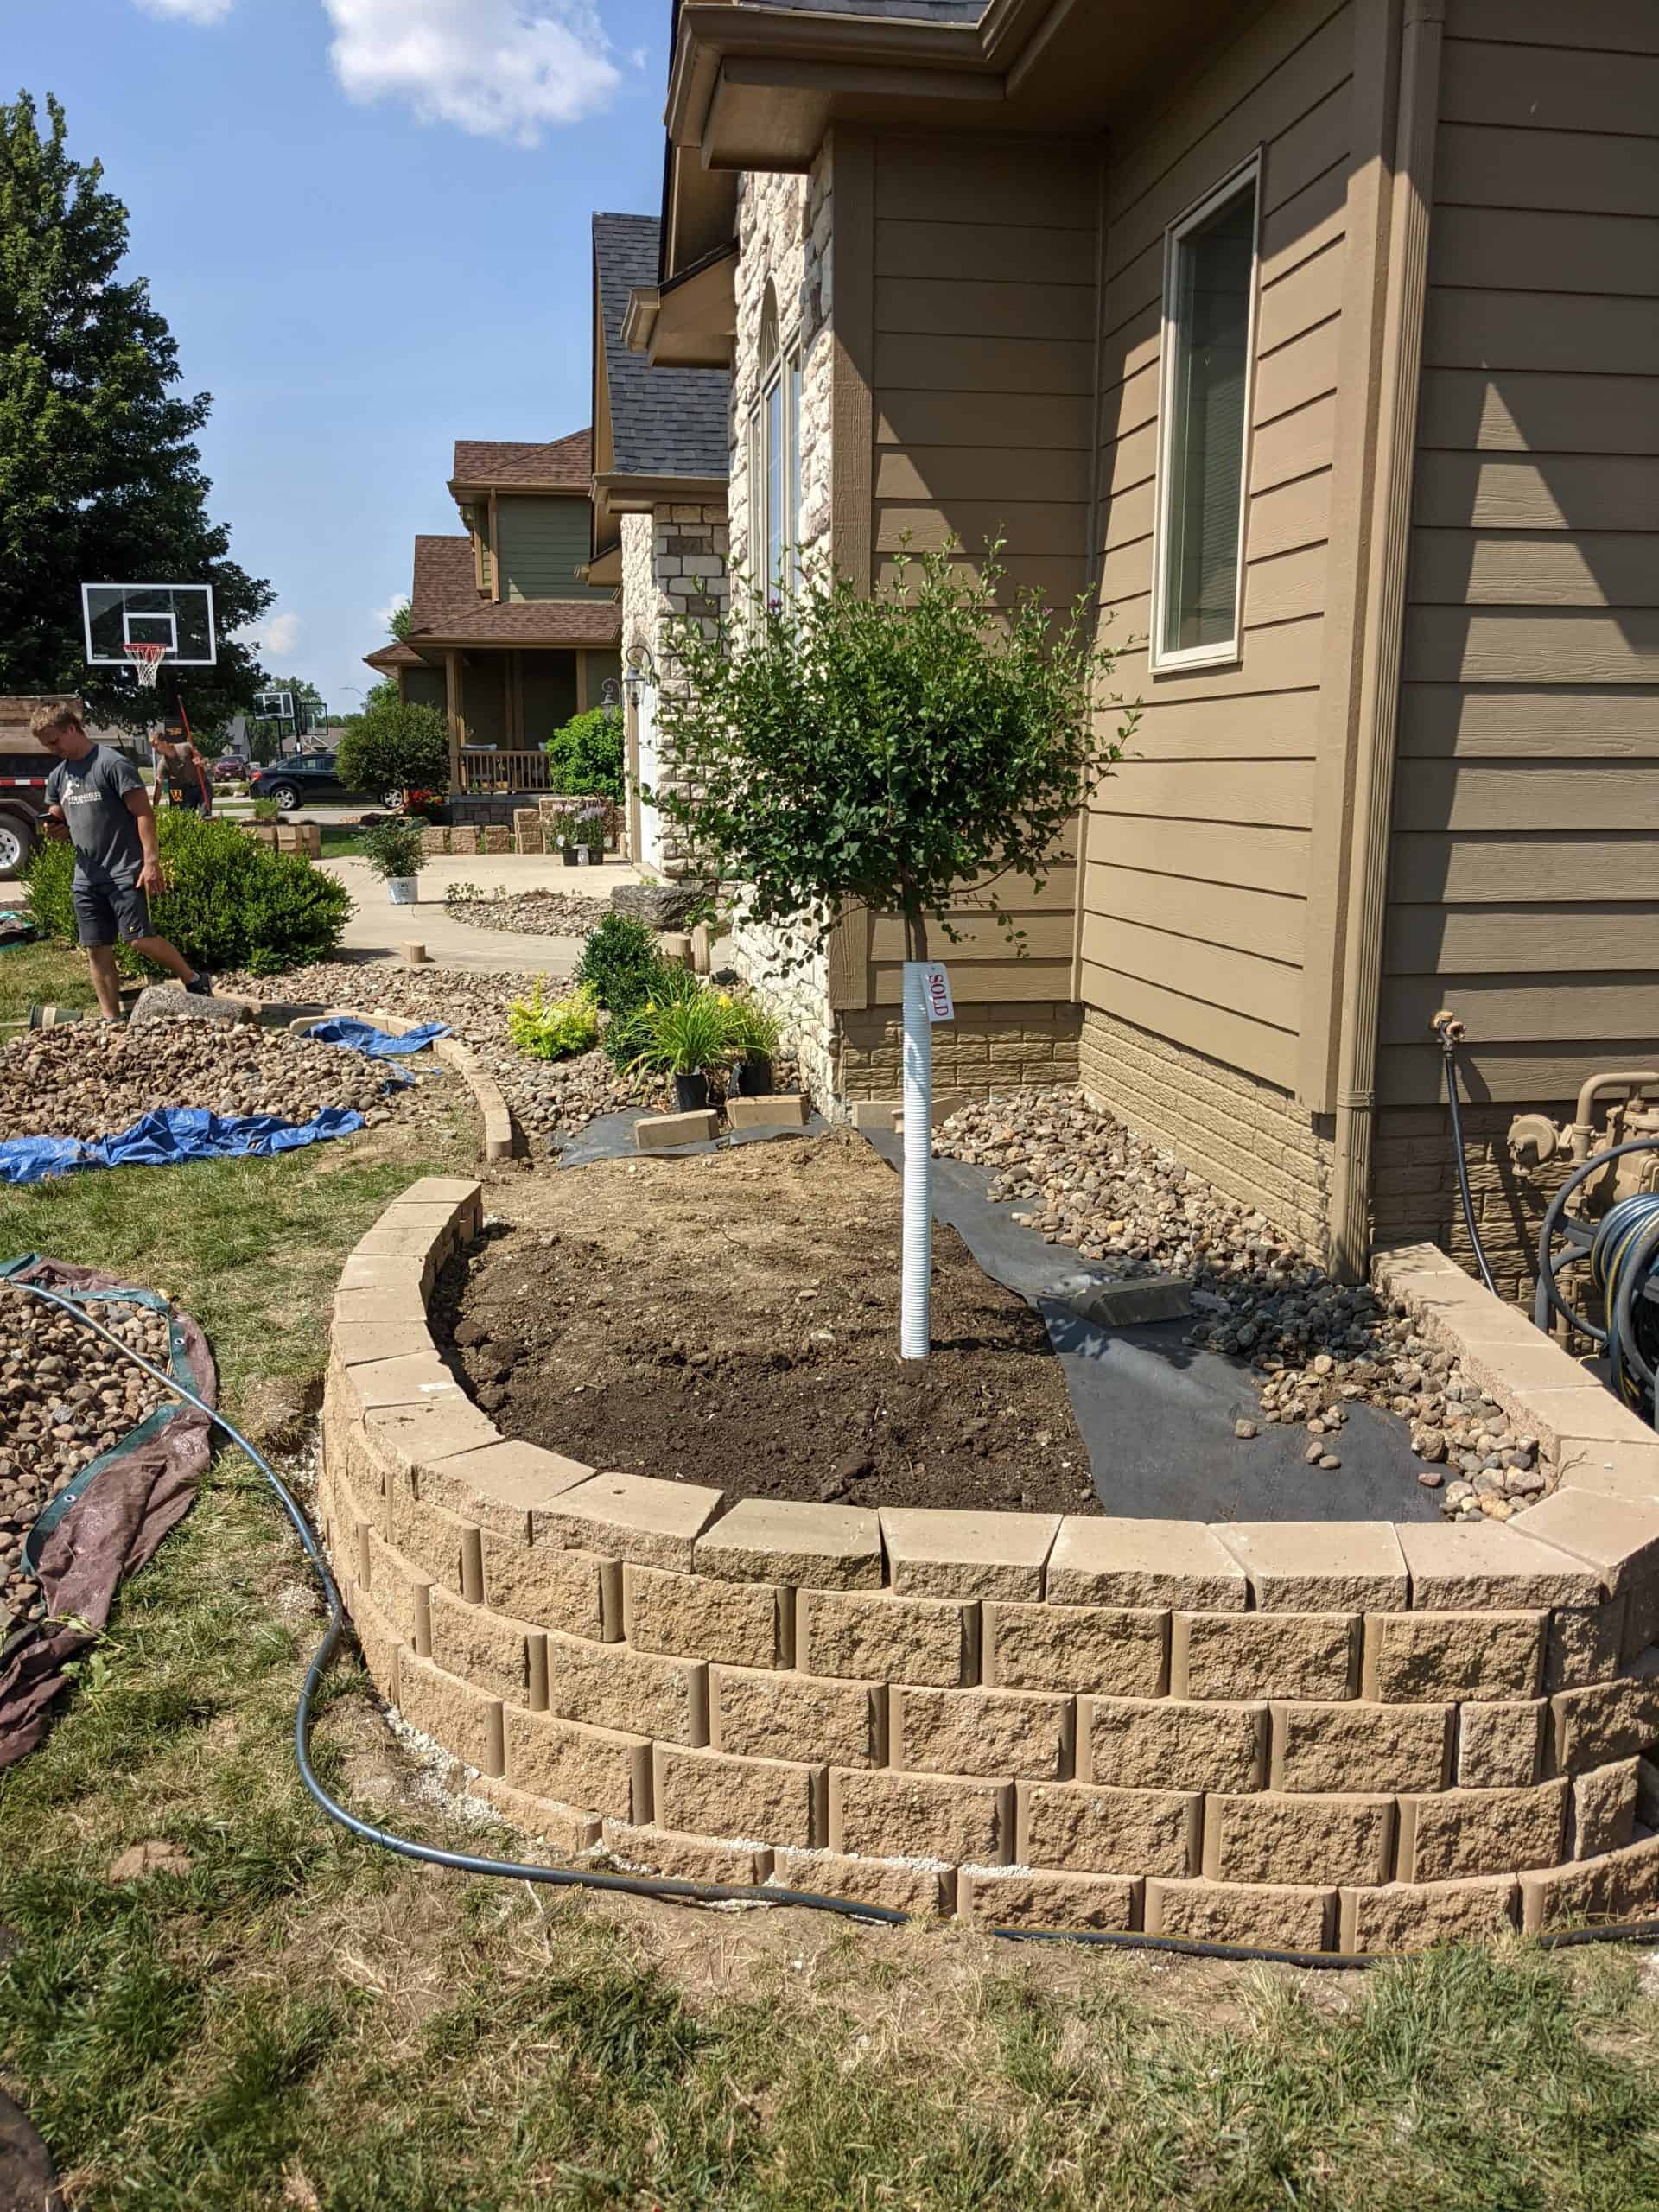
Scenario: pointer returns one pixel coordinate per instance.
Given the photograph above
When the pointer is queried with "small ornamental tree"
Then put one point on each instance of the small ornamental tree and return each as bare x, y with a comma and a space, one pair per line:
895, 752
396, 745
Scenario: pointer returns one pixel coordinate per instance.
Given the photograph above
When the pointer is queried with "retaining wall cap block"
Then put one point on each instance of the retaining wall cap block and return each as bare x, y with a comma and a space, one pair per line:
456, 1191
393, 1272
1418, 1916
1603, 1470
784, 1110
1142, 1563
1569, 1421
1396, 1261
1017, 1899
809, 1547
1619, 1539
942, 1554
405, 1438
361, 1344
1478, 1567
502, 1483
1277, 1916
384, 1307
662, 1132
419, 1379
1321, 1567
635, 1516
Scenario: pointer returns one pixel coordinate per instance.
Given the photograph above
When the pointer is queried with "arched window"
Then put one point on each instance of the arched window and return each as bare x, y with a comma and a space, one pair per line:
775, 457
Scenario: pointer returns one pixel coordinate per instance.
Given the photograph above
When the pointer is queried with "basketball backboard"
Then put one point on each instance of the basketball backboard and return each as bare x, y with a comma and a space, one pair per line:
273, 706
177, 616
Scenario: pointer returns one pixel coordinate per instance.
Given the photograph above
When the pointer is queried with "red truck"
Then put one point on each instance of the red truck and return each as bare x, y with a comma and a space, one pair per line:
25, 767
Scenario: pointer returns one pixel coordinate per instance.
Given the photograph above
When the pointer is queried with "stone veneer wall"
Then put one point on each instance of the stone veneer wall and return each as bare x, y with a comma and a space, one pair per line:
985, 1049
1243, 1134
1416, 1196
674, 566
1318, 1736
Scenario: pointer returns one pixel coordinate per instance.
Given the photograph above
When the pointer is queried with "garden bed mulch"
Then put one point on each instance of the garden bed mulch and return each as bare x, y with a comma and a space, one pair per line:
733, 1320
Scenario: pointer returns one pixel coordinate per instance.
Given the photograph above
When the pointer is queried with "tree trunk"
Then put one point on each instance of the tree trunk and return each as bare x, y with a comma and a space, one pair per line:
915, 1302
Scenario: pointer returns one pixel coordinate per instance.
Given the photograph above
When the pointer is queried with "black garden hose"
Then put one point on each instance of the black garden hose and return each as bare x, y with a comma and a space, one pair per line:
1450, 1033
642, 1886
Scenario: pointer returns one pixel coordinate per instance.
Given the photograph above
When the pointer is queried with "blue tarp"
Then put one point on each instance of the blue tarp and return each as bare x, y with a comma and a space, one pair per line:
169, 1136
376, 1044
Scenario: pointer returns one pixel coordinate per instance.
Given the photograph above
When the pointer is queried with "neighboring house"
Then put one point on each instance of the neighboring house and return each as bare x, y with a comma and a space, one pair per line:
659, 498
505, 636
1320, 345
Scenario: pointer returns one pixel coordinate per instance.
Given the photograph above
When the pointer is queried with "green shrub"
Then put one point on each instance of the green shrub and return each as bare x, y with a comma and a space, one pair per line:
229, 902
555, 1030
584, 757
751, 1034
396, 746
620, 960
683, 1034
630, 1037
393, 847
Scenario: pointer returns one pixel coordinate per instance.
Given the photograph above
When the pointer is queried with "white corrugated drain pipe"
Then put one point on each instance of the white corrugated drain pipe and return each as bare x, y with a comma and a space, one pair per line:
914, 1313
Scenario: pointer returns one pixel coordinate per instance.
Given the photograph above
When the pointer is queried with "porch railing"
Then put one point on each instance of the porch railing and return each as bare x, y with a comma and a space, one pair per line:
497, 775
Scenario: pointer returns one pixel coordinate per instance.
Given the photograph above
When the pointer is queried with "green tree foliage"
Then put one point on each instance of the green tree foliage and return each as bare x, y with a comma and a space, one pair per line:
229, 902
402, 620
584, 757
842, 751
396, 745
100, 478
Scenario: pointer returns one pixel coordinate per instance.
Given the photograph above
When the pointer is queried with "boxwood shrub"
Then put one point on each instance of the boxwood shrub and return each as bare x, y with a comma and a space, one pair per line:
230, 902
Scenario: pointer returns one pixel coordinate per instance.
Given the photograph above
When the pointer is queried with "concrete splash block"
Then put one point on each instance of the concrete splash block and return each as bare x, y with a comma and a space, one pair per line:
1141, 1298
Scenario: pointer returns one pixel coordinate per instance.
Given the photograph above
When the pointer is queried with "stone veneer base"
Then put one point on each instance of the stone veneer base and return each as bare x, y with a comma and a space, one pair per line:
1324, 1737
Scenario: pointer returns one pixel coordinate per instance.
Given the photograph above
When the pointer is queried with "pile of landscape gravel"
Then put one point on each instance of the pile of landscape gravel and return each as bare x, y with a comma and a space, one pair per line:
66, 1398
94, 1078
532, 913
1314, 1347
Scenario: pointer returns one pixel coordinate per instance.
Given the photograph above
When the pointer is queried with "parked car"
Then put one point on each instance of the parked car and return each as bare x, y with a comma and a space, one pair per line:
304, 780
230, 768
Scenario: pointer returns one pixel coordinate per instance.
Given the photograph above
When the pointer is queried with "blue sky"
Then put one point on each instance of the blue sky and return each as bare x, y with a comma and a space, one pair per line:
367, 222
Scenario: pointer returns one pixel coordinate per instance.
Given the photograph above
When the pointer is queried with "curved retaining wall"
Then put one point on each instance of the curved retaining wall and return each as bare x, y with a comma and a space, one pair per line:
1331, 1737
496, 1141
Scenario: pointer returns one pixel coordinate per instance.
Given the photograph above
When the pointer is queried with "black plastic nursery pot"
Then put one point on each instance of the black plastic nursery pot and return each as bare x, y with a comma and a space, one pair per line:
691, 1093
753, 1077
567, 855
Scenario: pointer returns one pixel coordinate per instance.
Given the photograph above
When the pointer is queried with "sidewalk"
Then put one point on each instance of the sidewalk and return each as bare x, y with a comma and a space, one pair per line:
379, 929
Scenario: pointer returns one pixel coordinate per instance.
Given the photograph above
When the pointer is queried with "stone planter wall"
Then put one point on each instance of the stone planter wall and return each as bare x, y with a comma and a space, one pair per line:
1329, 1738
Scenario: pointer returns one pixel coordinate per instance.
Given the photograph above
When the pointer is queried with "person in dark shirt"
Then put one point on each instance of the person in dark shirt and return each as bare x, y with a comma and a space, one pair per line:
97, 798
179, 770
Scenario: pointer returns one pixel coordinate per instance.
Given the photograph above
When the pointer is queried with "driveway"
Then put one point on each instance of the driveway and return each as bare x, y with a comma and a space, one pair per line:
379, 929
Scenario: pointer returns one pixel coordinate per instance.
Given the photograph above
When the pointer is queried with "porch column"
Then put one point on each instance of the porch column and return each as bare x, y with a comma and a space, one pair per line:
457, 716
582, 683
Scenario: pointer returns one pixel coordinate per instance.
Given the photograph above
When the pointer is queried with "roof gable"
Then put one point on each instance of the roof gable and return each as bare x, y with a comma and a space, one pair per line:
564, 465
663, 421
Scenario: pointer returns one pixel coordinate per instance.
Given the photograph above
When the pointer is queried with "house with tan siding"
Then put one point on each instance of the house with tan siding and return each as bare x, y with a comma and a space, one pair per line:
1319, 345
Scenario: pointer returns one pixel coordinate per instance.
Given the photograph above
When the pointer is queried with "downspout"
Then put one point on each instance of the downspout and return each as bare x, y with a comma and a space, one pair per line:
1095, 555
1379, 703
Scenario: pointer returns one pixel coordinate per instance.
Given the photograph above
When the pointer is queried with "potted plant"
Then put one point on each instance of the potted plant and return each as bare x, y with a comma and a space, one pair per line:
562, 829
590, 836
685, 1037
752, 1036
393, 849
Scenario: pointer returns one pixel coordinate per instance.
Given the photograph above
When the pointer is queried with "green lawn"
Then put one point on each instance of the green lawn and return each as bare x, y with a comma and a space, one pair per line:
297, 2021
42, 975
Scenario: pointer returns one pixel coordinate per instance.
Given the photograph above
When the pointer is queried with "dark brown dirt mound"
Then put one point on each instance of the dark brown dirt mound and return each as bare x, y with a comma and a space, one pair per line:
733, 1320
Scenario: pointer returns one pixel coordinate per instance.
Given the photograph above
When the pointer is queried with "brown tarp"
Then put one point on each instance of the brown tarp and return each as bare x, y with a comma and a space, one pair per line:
112, 1529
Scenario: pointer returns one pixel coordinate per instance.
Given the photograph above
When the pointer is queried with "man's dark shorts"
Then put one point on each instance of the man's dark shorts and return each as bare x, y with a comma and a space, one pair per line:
103, 914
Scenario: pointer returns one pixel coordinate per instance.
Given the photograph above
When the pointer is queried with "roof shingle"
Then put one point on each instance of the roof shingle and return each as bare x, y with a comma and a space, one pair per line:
445, 603
663, 421
566, 464
912, 11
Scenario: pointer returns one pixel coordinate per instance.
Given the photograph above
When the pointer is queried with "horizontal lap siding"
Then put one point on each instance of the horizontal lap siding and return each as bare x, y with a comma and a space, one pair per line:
1526, 792
983, 389
1195, 891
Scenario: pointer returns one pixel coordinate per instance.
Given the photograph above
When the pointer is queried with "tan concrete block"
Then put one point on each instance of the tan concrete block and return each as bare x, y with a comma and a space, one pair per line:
694, 1616
1022, 1899
565, 1831
368, 1344
1466, 1567
1501, 1746
1603, 1808
662, 1132
632, 1517
808, 1547
758, 1799
1089, 1828
463, 1720
982, 1731
651, 1850
400, 1593
462, 1194
1144, 1563
1618, 1538
1568, 1421
1583, 1643
784, 1109
1606, 1721
761, 1714
1237, 1655
1428, 1658
1157, 1744
1268, 1916
1461, 1832
1603, 1470
1103, 1650
955, 1818
384, 1307
597, 1769
923, 1892
405, 1438
1319, 1567
576, 1592
1622, 1885
873, 1636
501, 1485
1271, 1837
941, 1555
379, 1640
388, 1272
1419, 1915
427, 1537
637, 1693
1354, 1747
481, 1647
418, 1379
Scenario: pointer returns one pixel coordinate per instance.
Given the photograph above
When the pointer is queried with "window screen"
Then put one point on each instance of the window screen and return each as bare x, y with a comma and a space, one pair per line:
1211, 277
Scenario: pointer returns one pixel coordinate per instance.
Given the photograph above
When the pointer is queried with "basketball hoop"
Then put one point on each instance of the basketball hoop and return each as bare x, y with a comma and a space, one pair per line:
146, 660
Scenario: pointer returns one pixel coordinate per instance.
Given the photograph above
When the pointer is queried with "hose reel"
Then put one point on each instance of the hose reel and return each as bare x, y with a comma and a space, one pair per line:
1621, 1250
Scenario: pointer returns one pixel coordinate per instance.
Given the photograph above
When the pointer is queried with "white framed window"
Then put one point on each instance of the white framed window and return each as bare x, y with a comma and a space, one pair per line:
775, 459
1210, 258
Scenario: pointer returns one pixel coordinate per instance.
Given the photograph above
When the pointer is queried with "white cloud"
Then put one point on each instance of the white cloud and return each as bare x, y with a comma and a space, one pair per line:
189, 11
394, 605
499, 68
278, 634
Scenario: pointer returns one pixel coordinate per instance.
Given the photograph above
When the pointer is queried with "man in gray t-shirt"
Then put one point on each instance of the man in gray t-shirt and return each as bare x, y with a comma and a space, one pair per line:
97, 799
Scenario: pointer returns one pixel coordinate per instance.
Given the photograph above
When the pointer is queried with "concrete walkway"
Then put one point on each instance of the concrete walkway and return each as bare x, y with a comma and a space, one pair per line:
379, 929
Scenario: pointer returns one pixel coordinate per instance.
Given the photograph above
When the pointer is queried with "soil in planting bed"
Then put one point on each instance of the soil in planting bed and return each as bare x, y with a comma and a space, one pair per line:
733, 1319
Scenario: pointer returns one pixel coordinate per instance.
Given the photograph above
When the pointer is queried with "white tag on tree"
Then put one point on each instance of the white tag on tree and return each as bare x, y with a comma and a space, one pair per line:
940, 1006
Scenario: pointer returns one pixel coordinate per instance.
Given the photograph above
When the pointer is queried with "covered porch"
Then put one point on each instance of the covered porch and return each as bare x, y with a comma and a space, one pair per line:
502, 703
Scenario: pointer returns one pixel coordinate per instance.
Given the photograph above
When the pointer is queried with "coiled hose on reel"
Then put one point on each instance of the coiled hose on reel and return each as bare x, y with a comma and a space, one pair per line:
1624, 1259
